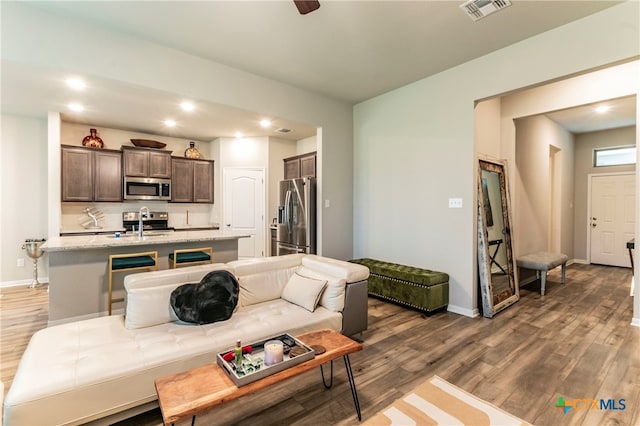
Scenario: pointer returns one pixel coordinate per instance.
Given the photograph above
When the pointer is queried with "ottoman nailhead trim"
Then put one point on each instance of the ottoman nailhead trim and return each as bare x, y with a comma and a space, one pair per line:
401, 280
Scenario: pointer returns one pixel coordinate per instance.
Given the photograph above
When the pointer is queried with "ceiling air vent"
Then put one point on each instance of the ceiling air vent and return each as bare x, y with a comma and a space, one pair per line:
478, 9
283, 130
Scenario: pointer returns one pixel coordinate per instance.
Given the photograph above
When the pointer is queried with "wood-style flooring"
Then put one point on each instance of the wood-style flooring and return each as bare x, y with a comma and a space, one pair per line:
575, 342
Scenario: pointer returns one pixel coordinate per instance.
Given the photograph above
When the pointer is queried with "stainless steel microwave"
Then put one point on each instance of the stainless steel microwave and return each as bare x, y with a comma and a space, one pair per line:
137, 188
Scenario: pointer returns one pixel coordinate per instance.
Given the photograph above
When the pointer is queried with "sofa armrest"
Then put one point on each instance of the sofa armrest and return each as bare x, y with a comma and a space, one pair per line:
350, 272
355, 314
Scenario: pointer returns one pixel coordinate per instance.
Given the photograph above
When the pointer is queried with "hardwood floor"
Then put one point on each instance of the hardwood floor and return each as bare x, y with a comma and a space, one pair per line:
23, 311
576, 342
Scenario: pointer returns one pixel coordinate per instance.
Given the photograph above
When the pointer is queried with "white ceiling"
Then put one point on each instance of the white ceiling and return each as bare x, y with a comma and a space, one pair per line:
585, 118
348, 50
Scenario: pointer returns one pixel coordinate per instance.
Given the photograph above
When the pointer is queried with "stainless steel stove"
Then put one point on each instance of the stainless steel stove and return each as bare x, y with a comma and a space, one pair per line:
154, 221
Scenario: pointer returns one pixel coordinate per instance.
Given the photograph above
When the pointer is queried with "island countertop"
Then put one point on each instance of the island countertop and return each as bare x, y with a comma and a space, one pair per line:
84, 242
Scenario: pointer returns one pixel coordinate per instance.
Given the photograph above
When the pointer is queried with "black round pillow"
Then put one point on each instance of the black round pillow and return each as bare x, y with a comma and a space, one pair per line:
212, 299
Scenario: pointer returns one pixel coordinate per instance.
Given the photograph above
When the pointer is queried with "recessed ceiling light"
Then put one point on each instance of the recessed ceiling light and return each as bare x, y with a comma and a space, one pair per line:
187, 106
74, 106
238, 135
265, 123
169, 123
603, 108
76, 83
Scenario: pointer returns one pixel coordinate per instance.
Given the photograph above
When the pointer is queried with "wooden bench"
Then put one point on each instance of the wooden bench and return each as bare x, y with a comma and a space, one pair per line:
543, 262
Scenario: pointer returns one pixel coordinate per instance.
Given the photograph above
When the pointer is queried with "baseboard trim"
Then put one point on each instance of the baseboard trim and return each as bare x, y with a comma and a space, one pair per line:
635, 322
580, 261
471, 313
19, 283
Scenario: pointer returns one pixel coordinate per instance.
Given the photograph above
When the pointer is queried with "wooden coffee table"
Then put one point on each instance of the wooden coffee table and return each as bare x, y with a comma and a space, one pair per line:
193, 392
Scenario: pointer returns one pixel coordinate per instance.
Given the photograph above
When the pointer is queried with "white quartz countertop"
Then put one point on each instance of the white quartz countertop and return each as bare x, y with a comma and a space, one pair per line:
84, 242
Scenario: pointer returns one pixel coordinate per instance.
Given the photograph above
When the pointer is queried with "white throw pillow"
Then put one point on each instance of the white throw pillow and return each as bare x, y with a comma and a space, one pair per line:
333, 295
303, 291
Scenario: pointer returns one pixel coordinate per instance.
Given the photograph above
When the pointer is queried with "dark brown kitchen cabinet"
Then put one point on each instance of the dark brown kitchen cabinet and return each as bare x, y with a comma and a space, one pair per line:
107, 184
146, 162
89, 174
191, 180
300, 166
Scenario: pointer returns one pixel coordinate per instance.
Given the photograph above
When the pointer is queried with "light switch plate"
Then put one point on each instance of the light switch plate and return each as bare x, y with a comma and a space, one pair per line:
455, 203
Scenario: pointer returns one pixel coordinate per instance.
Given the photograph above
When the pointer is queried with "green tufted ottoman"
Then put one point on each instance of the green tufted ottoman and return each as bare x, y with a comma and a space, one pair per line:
407, 285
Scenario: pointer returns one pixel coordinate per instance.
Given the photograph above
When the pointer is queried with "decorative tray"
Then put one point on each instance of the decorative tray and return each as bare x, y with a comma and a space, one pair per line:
253, 360
148, 143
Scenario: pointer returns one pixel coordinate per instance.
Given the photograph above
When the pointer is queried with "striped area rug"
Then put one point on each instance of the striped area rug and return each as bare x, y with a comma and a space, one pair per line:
438, 402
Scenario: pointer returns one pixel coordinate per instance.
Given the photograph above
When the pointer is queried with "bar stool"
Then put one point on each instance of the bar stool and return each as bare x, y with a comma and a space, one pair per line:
130, 262
189, 257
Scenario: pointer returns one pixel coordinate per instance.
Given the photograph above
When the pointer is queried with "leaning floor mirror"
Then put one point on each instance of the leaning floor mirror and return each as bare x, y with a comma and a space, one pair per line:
497, 273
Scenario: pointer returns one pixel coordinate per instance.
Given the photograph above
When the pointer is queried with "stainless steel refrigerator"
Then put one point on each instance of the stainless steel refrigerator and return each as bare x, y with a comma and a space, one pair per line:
297, 216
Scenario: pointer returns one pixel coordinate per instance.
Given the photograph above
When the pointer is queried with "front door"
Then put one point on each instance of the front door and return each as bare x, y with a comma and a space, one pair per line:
612, 221
243, 198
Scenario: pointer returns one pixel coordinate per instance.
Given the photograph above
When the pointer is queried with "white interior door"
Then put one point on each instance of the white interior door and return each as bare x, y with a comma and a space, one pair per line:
243, 207
612, 220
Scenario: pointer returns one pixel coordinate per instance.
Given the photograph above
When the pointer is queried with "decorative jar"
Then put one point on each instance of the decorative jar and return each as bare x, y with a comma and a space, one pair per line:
93, 140
192, 151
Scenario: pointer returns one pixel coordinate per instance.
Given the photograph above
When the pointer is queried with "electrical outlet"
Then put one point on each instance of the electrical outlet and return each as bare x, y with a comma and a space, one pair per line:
20, 263
455, 203
327, 204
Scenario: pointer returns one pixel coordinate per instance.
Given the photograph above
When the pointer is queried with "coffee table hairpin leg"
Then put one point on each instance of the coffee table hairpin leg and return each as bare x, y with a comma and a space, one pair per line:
352, 383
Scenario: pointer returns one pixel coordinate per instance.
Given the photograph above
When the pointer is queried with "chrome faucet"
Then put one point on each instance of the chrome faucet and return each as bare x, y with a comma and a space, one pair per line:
140, 226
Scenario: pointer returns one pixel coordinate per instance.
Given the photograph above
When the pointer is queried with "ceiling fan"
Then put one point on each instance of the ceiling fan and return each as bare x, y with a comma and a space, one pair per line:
306, 6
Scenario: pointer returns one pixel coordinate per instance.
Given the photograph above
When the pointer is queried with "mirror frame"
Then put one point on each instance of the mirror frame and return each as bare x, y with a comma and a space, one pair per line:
490, 307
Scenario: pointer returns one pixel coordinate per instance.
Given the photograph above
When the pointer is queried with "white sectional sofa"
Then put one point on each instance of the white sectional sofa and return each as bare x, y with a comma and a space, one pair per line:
96, 369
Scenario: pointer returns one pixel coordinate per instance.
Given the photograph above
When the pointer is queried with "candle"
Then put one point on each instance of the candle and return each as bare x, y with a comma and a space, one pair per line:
273, 352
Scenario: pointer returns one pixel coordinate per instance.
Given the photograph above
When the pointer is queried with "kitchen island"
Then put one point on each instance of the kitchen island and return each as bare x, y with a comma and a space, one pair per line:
78, 276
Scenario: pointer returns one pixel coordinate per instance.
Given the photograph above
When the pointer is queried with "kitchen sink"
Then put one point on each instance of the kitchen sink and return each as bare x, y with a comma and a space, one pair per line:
135, 236
122, 236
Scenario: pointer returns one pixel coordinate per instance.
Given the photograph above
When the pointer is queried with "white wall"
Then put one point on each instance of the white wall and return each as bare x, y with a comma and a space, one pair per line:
172, 71
414, 146
486, 128
536, 136
305, 145
23, 199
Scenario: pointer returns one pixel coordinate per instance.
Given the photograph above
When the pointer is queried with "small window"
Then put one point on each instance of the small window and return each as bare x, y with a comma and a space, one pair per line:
614, 156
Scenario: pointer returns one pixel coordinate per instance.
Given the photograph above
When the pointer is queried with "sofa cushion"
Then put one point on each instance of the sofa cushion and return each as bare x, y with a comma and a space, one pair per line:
264, 286
332, 297
257, 265
148, 293
213, 299
304, 291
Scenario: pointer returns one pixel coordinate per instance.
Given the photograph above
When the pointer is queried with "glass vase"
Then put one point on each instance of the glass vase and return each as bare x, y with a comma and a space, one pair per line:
192, 151
93, 140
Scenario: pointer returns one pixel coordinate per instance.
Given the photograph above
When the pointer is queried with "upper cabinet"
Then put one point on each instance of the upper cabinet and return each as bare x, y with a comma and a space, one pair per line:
90, 174
300, 166
191, 180
146, 162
